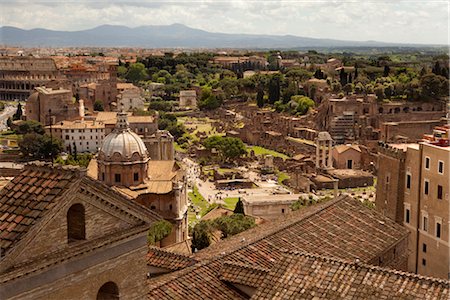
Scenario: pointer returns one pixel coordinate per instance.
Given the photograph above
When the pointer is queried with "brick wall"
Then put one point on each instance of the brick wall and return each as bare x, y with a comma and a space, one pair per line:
127, 271
53, 236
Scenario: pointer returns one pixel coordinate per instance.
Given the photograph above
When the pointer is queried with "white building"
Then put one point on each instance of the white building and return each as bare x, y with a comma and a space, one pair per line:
84, 136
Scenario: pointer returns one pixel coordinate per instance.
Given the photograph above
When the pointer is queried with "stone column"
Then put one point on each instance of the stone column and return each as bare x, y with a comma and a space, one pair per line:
317, 154
330, 161
324, 154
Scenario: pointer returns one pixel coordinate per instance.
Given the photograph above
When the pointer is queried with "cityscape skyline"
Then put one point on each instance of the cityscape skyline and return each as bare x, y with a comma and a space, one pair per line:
401, 22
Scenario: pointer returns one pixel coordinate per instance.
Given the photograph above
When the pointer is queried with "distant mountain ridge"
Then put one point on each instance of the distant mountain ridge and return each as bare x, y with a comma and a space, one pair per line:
168, 36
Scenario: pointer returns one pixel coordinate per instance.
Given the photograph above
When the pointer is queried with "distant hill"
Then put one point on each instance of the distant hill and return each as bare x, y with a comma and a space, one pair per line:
168, 36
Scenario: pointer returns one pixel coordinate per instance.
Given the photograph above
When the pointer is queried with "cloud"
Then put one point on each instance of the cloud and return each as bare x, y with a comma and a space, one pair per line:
391, 21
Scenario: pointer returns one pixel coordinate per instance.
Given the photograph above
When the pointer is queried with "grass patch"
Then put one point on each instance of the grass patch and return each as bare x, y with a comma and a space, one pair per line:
230, 202
199, 125
263, 151
282, 176
200, 204
178, 148
225, 170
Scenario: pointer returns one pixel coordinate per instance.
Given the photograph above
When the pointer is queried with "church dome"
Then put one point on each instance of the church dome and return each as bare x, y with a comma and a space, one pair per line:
123, 145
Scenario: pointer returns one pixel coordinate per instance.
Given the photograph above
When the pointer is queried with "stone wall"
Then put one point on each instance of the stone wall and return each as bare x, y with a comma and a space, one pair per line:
391, 182
53, 236
127, 271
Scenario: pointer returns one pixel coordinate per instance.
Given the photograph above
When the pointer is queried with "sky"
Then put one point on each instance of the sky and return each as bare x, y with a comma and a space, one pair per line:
402, 21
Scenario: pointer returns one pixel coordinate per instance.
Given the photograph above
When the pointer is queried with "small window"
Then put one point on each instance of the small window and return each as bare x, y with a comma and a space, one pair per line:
439, 192
424, 248
136, 176
426, 187
441, 167
76, 228
427, 163
438, 230
407, 215
387, 179
103, 176
117, 178
424, 262
425, 223
282, 210
170, 207
408, 181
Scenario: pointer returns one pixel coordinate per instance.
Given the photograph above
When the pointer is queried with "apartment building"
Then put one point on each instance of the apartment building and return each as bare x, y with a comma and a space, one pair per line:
413, 189
82, 135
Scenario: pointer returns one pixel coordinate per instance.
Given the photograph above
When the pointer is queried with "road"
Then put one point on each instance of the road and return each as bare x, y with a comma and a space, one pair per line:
5, 114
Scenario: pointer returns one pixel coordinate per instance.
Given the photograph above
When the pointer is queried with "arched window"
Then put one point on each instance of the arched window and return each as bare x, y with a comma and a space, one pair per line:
76, 226
108, 291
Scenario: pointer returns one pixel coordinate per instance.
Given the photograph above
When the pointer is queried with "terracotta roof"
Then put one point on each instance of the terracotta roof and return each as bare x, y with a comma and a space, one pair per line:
343, 148
78, 125
26, 199
192, 283
217, 212
126, 86
161, 258
309, 276
183, 247
342, 227
242, 274
162, 170
141, 119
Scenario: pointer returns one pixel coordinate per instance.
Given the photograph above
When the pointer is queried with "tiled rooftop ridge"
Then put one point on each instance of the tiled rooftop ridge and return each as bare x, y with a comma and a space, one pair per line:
358, 264
170, 260
25, 199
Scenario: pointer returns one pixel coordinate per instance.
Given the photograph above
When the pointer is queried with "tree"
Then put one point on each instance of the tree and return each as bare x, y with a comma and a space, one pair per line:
234, 224
201, 235
274, 89
30, 127
40, 146
348, 88
213, 142
75, 151
379, 91
208, 100
136, 72
436, 69
121, 70
299, 74
158, 231
239, 208
303, 104
433, 86
228, 147
232, 148
98, 105
386, 71
81, 160
18, 114
260, 98
9, 122
228, 225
